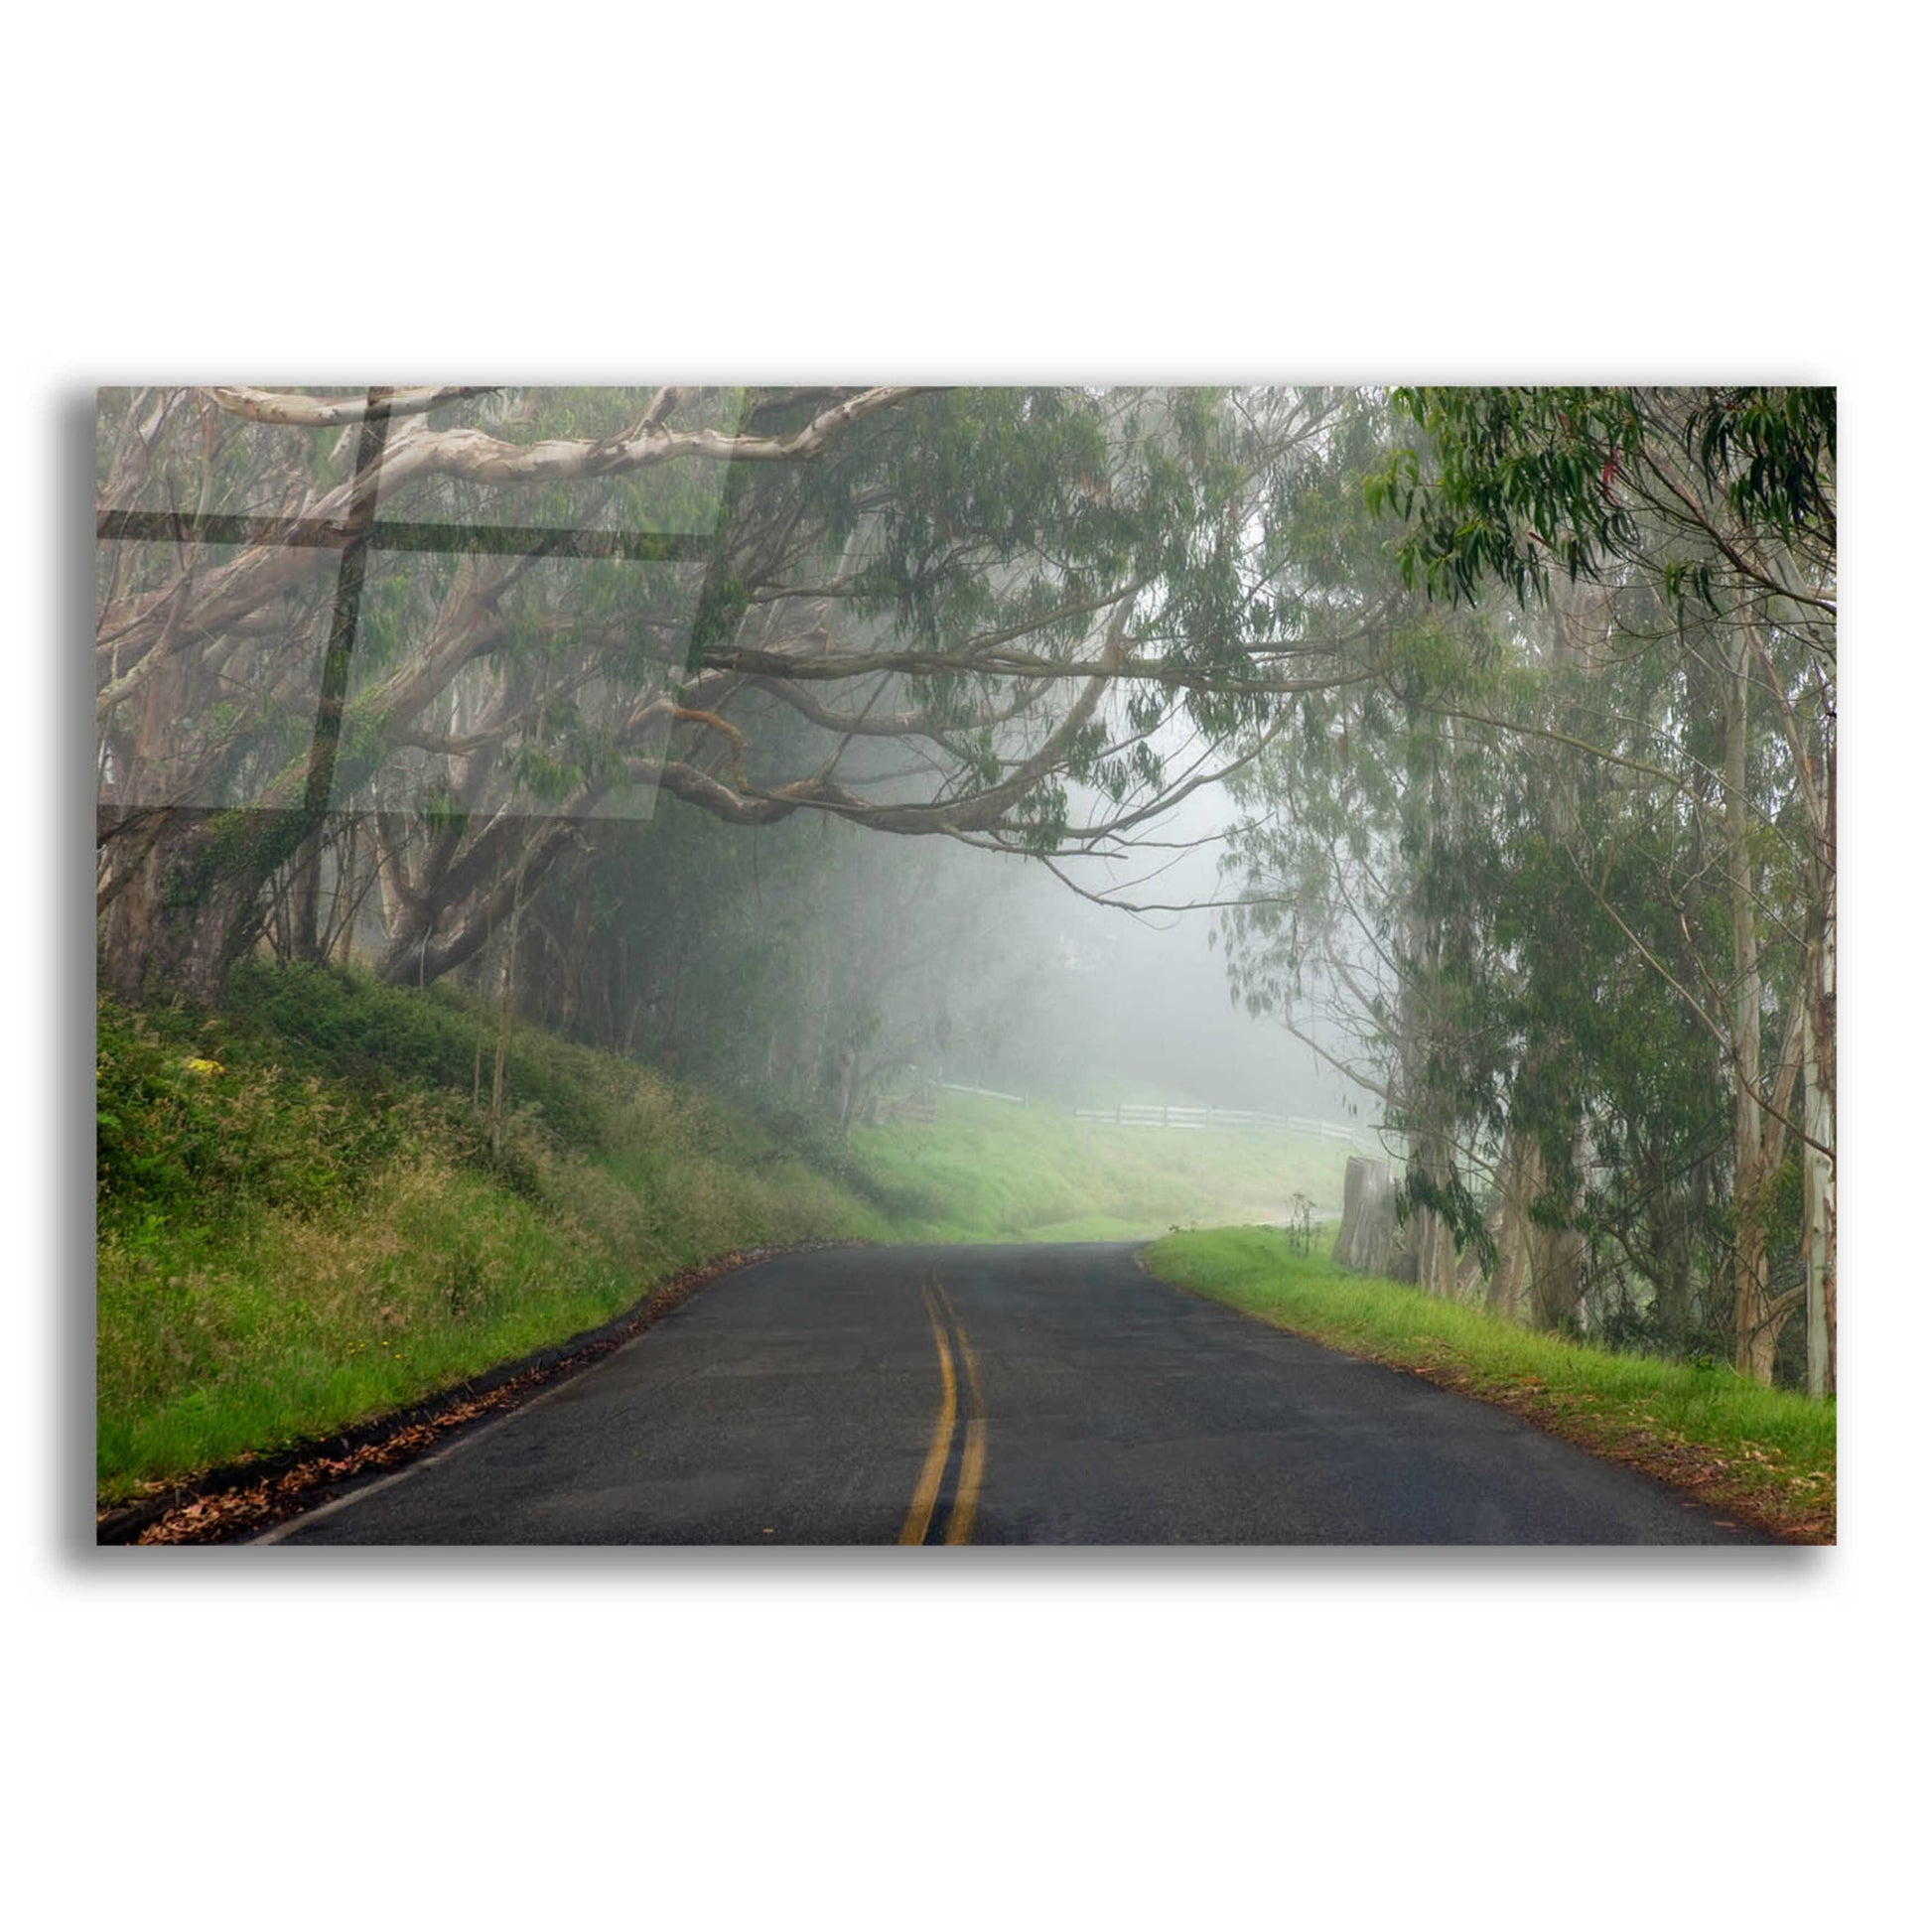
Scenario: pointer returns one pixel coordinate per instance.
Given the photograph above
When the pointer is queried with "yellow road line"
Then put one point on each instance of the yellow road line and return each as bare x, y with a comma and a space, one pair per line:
959, 1525
972, 1462
920, 1516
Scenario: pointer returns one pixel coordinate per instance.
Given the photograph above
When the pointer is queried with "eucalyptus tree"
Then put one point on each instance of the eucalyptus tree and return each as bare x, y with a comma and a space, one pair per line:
1706, 519
1345, 927
414, 644
1494, 881
1581, 873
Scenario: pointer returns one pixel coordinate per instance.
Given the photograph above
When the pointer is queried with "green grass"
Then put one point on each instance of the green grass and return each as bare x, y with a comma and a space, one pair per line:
989, 1172
1765, 1452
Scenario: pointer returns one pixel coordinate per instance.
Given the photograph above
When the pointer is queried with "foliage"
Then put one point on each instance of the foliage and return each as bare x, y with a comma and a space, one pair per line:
326, 1018
194, 1120
1527, 483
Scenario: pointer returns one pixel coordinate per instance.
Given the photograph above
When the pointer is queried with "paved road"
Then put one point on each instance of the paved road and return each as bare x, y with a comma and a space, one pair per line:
997, 1395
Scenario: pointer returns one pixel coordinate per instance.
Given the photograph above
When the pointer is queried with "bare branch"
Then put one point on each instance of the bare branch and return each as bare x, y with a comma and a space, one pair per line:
319, 412
482, 458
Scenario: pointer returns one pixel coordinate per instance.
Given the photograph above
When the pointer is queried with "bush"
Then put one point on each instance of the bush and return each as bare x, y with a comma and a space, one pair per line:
187, 1124
351, 1027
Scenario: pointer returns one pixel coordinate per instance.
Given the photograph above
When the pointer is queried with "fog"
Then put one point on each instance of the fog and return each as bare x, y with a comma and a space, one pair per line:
1116, 1004
816, 963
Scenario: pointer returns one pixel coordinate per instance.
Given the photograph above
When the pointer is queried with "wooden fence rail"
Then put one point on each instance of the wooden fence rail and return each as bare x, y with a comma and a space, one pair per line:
1182, 1119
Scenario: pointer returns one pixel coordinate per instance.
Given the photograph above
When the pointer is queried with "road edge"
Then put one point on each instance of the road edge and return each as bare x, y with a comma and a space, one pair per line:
242, 1498
1688, 1479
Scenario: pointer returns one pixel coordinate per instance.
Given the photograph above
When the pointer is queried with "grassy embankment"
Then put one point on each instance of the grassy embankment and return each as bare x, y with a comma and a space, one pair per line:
1764, 1454
300, 1224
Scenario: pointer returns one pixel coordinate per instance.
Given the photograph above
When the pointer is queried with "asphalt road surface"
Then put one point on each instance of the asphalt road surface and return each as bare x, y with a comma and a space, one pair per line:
997, 1395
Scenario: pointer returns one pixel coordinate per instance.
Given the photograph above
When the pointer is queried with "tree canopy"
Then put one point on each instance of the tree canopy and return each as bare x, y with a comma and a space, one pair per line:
987, 615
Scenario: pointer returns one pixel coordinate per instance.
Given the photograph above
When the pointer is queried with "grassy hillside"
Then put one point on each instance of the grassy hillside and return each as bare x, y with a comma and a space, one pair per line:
989, 1171
301, 1223
1765, 1452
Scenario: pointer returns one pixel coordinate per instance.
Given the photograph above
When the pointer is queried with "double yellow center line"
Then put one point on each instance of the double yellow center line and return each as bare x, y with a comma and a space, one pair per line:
972, 1462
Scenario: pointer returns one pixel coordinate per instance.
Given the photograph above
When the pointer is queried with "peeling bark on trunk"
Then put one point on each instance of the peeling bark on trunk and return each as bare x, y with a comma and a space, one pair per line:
1669, 1256
1760, 1320
1756, 1323
1538, 1268
1434, 1253
1427, 1255
1821, 1131
1747, 1262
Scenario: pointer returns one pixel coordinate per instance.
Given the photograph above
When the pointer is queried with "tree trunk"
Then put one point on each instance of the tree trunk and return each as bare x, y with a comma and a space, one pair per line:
1819, 1215
576, 958
503, 1023
1428, 1253
421, 948
1821, 1108
1668, 1262
1512, 1271
1816, 1001
1755, 1335
305, 900
195, 905
1760, 1320
1556, 1278
1366, 1238
1433, 1247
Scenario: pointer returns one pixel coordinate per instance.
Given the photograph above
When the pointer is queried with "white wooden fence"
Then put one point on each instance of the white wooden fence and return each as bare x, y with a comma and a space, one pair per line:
1190, 1119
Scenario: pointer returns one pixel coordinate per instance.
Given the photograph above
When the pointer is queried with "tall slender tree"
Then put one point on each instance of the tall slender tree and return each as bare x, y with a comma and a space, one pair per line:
1708, 518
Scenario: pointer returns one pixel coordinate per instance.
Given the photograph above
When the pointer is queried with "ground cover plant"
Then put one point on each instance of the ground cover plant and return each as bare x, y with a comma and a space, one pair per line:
1766, 1454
